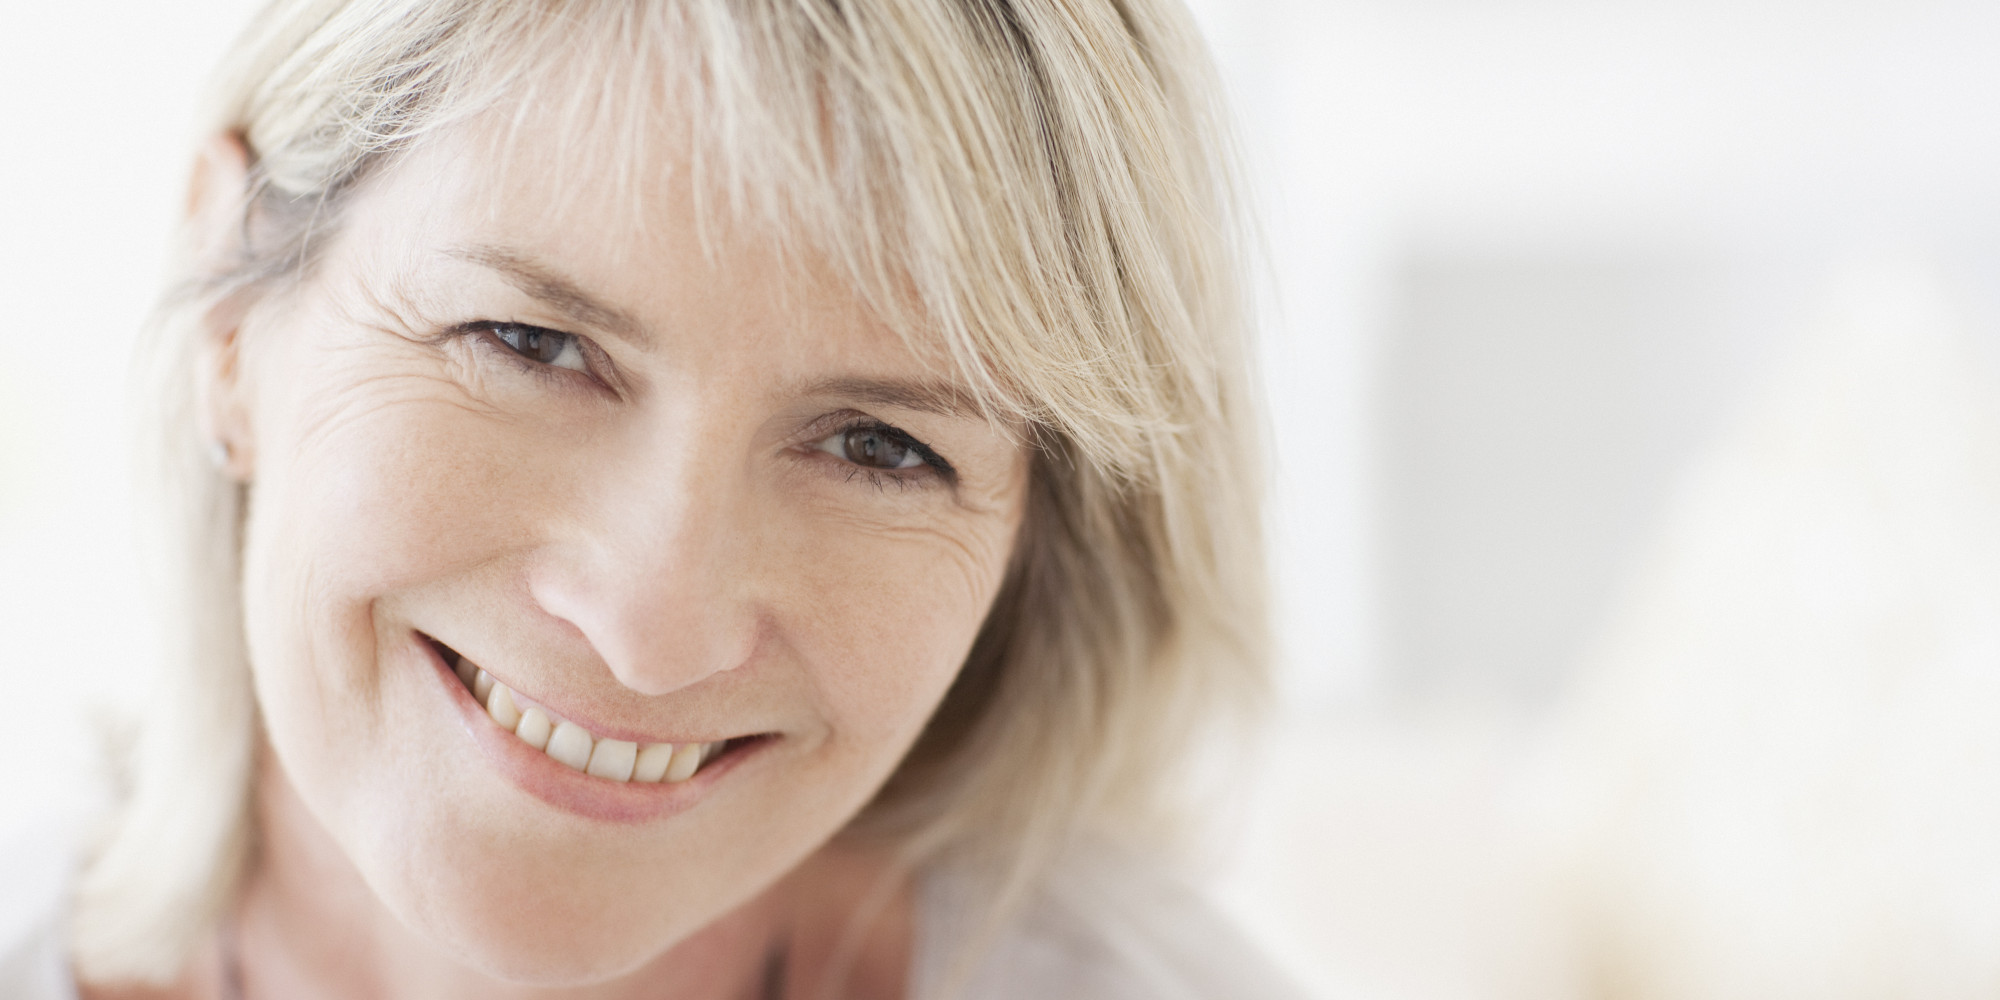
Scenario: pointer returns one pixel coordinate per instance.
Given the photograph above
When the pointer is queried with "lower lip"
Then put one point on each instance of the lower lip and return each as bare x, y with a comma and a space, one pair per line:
573, 791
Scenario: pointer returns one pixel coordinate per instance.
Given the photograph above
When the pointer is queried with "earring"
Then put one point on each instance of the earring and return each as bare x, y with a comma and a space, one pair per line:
219, 454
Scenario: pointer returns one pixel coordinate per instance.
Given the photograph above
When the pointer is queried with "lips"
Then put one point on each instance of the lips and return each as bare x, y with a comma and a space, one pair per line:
574, 746
565, 763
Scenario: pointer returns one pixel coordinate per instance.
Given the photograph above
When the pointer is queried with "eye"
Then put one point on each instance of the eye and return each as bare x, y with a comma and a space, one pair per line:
549, 347
874, 446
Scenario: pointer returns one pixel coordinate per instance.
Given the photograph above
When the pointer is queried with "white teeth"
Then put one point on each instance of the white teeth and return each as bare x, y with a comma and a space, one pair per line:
571, 745
613, 759
653, 761
500, 705
687, 757
534, 728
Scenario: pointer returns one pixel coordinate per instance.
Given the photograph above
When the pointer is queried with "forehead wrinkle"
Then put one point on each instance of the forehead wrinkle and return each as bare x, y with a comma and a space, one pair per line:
547, 285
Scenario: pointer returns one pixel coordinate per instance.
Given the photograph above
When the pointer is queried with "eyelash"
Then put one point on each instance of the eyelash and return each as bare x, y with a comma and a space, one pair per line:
934, 468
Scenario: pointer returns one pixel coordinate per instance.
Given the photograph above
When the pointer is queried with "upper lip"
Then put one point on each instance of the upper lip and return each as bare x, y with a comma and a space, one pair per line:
598, 727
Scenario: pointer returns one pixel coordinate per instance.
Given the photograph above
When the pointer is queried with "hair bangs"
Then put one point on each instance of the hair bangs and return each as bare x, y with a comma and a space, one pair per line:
976, 204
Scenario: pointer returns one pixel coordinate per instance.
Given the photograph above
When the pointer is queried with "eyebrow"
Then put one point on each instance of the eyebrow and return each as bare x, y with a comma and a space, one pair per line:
942, 398
548, 286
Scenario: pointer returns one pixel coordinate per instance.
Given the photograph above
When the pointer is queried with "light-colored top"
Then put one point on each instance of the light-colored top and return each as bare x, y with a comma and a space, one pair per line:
35, 869
1101, 928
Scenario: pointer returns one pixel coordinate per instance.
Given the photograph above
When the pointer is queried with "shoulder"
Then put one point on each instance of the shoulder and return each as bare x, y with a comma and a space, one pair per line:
36, 865
1103, 926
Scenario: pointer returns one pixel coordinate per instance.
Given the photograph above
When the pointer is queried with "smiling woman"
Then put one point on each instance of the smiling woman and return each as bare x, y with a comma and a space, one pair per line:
693, 499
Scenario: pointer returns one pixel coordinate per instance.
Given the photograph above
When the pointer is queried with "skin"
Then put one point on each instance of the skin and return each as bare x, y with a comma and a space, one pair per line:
677, 540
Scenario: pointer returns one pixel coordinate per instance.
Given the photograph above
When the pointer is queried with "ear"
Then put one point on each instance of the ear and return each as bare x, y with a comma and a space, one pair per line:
216, 210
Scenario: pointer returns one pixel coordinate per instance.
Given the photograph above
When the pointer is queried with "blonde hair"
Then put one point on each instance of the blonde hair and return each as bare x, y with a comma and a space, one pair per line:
1038, 185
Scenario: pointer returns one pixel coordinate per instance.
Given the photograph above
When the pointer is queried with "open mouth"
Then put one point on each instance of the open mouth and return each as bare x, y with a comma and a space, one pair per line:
576, 747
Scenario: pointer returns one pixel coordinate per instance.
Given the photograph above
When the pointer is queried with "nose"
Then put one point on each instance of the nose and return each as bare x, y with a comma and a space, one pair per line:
656, 579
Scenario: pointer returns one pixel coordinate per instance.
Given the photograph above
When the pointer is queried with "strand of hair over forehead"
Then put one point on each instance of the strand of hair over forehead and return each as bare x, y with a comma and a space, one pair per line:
1000, 172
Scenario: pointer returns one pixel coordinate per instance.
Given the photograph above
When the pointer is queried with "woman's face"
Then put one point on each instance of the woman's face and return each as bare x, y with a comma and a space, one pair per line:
669, 496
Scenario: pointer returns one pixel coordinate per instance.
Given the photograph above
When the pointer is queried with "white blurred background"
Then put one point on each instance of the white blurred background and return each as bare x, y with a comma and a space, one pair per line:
1636, 499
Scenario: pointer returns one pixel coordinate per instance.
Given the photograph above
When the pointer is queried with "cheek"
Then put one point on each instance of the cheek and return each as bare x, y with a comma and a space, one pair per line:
361, 489
377, 469
889, 615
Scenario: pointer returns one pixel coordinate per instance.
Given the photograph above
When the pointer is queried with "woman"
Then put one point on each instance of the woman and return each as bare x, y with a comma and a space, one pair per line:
696, 498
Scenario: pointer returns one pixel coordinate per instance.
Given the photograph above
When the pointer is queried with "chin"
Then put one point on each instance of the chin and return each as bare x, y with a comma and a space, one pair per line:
526, 913
563, 944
